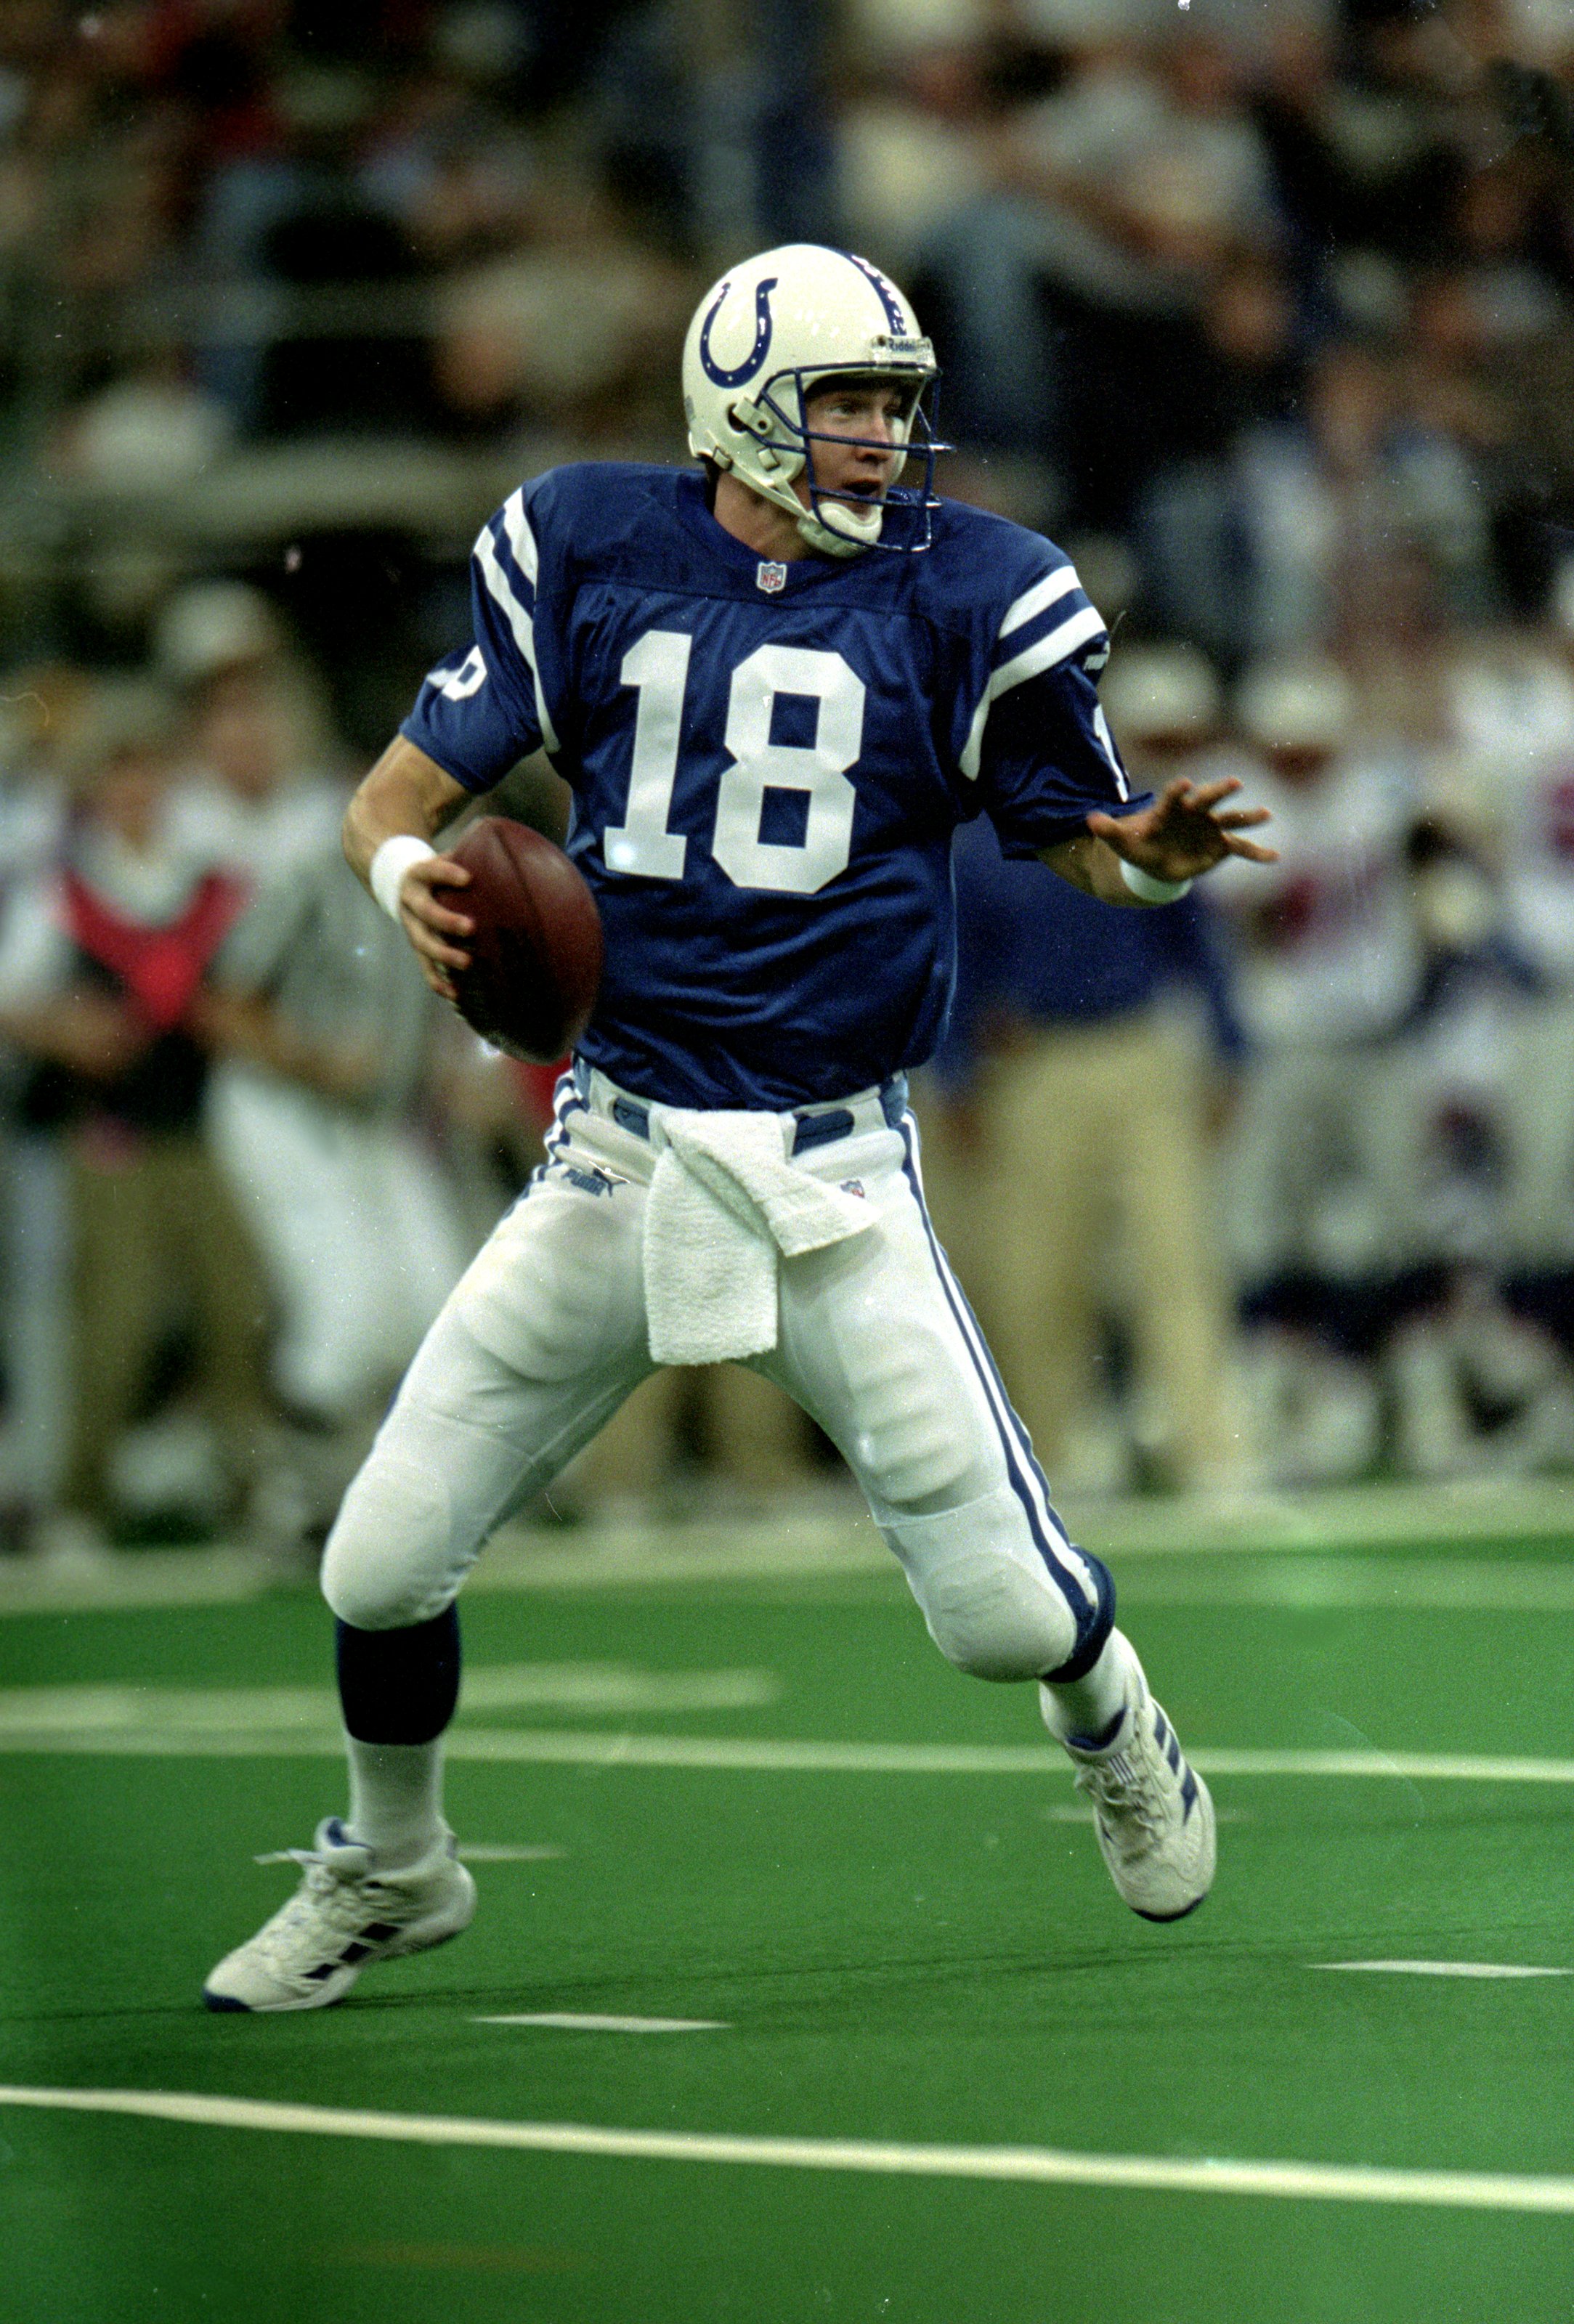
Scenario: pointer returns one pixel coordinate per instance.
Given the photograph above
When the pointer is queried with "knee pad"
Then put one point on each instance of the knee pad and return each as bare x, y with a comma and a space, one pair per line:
389, 1562
992, 1603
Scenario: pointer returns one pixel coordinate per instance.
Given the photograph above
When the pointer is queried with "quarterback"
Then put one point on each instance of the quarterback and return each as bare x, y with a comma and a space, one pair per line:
775, 684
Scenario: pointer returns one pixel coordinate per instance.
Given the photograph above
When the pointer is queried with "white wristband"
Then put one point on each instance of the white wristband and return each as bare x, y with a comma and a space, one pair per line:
1144, 885
392, 860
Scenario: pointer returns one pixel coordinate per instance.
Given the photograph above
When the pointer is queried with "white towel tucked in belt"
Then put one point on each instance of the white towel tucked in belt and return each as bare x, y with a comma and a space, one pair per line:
724, 1204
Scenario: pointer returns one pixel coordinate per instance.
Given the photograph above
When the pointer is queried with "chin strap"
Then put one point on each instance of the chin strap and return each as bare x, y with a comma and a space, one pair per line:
821, 534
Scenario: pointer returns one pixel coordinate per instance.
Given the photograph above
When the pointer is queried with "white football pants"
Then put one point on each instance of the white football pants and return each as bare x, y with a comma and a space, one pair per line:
545, 1336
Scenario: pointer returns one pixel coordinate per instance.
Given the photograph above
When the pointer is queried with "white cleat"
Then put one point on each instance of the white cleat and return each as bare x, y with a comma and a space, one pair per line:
344, 1915
1153, 1814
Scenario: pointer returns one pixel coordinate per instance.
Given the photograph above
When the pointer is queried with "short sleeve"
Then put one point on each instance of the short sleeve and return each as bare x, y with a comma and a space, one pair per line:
482, 710
1049, 759
1036, 745
460, 720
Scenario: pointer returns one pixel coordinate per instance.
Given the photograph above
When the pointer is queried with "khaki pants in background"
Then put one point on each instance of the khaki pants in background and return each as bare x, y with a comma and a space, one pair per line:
155, 1235
1091, 1173
756, 1436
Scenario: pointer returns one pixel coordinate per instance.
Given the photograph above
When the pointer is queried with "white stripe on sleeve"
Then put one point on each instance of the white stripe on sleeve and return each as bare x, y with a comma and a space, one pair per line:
1050, 649
502, 591
1039, 598
521, 540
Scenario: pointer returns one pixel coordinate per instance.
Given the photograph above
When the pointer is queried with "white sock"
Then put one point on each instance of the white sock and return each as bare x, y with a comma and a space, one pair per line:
1087, 1707
395, 1800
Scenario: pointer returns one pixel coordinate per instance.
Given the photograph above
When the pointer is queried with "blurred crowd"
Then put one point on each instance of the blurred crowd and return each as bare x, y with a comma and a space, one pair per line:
246, 1153
1264, 308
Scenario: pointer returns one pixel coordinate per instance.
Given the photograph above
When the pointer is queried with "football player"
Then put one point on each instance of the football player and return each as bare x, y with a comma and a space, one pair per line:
776, 684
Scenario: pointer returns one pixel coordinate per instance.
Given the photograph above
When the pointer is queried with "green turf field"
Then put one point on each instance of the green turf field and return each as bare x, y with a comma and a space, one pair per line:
898, 1942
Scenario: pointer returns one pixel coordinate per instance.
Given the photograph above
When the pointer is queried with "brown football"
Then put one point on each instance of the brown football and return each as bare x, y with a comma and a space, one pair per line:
535, 957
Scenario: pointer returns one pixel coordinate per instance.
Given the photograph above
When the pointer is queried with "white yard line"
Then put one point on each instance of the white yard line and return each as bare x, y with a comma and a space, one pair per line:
1442, 1969
574, 2022
557, 1747
1475, 2191
481, 1852
501, 1852
1384, 1579
603, 1690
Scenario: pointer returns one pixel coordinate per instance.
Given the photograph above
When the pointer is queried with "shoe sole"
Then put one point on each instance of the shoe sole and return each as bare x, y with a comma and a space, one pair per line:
1165, 1919
334, 1988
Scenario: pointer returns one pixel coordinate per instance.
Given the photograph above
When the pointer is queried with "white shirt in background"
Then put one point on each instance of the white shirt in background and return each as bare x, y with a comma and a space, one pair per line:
1512, 770
255, 839
1328, 950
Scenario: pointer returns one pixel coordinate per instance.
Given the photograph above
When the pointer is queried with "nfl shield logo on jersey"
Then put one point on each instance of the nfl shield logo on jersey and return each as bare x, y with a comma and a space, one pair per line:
771, 577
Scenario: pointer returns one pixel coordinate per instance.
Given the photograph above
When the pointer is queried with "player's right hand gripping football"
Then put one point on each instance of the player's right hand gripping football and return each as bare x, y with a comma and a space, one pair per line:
436, 930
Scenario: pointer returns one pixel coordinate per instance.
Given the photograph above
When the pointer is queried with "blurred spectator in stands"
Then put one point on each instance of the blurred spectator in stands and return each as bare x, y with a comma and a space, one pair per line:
324, 1031
1076, 1096
1245, 388
1477, 1379
714, 124
1296, 538
1507, 784
102, 961
150, 428
41, 707
1328, 1158
912, 148
1363, 163
578, 328
316, 1115
258, 791
447, 156
1074, 287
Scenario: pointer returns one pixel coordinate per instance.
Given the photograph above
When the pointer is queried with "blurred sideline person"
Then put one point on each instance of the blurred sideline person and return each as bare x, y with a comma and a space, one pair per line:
255, 795
327, 1032
324, 1033
102, 961
42, 705
1509, 778
1329, 1154
1075, 1107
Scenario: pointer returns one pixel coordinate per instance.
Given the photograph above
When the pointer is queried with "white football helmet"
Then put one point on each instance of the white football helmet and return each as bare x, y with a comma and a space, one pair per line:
762, 339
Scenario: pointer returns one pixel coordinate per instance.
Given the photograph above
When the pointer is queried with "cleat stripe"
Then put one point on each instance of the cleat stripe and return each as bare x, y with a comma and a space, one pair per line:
1174, 1754
1188, 1795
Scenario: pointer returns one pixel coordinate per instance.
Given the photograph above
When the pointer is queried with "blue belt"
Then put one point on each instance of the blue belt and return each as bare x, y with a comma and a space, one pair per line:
815, 1125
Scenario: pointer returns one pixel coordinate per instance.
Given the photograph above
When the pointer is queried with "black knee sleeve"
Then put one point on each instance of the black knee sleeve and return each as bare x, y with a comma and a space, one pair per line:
399, 1686
1093, 1628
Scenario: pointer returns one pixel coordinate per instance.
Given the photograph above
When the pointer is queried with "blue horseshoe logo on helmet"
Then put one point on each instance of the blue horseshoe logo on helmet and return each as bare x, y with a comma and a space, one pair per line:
756, 354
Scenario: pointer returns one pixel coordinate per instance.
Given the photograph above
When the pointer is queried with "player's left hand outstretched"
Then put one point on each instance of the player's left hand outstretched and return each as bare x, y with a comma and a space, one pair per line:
1184, 834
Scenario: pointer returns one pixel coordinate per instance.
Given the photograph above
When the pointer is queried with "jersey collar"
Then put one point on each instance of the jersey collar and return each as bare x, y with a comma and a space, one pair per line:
797, 572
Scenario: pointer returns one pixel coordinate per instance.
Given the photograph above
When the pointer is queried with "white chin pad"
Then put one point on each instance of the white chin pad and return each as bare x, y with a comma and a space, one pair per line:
859, 524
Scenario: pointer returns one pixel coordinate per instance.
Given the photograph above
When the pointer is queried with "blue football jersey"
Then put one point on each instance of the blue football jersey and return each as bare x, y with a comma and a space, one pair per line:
768, 762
